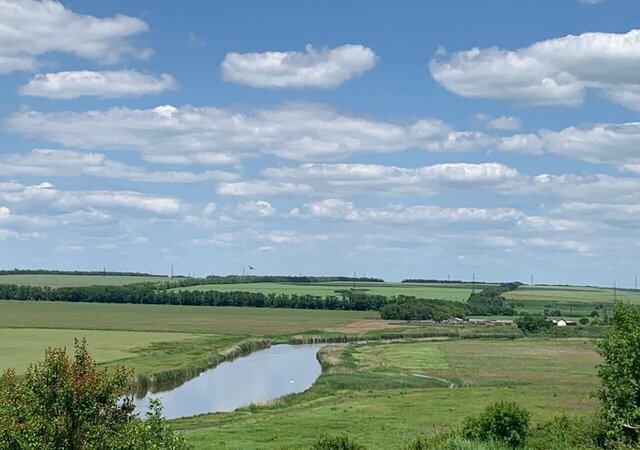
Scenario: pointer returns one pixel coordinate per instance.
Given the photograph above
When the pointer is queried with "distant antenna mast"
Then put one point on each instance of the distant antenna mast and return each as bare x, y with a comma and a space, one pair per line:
615, 296
531, 279
243, 271
171, 276
354, 279
473, 284
635, 284
448, 277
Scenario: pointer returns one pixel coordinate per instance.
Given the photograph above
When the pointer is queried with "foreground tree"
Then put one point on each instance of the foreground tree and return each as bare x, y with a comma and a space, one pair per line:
67, 403
620, 375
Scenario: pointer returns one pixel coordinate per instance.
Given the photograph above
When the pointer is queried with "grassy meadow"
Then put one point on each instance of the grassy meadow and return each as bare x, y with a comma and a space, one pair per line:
20, 347
370, 391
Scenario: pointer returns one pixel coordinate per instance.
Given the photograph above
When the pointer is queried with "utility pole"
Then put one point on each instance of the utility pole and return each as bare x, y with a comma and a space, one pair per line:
354, 279
615, 297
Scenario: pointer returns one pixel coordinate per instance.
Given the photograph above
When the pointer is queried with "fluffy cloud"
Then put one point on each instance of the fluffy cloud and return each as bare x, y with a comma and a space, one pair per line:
46, 194
30, 29
73, 163
263, 187
393, 179
600, 143
508, 123
324, 68
259, 208
344, 210
296, 131
105, 84
552, 72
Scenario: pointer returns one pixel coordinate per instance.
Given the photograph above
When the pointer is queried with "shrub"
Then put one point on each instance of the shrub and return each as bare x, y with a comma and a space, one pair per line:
564, 432
532, 323
501, 421
583, 321
342, 442
451, 442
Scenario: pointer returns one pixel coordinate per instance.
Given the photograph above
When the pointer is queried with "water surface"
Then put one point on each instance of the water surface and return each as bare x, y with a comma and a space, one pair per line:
258, 377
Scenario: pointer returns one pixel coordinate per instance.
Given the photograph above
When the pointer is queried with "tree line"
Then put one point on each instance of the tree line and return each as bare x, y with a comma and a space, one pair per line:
487, 302
236, 279
149, 293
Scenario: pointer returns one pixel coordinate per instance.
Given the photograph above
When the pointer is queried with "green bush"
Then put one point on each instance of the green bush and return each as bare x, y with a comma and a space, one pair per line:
342, 442
564, 432
501, 421
451, 442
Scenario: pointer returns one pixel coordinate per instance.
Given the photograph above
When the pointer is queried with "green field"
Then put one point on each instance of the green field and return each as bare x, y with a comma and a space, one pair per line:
168, 318
384, 406
20, 347
453, 291
75, 280
572, 294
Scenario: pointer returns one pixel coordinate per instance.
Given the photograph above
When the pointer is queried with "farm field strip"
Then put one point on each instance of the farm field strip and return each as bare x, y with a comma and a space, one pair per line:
76, 280
172, 318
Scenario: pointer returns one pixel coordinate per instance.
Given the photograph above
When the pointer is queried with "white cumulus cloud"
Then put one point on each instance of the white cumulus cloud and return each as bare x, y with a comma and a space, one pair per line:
323, 68
105, 84
31, 28
551, 72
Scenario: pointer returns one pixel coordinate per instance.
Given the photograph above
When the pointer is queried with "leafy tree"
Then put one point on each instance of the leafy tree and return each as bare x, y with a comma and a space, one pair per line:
583, 321
66, 403
532, 323
620, 374
501, 421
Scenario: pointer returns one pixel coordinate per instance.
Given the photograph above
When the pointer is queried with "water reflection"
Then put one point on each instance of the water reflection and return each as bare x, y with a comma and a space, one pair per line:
259, 377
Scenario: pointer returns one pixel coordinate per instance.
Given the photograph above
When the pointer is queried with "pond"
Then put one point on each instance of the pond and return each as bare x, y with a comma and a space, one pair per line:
259, 377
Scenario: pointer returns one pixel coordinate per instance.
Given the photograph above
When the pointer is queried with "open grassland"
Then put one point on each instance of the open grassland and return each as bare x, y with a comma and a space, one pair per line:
20, 347
189, 319
75, 280
452, 291
369, 391
572, 294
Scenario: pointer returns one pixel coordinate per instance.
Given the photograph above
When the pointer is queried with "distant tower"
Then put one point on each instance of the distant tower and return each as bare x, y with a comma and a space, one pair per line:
473, 284
171, 274
531, 280
615, 293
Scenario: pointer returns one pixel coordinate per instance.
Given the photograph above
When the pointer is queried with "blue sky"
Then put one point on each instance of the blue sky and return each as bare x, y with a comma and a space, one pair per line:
404, 139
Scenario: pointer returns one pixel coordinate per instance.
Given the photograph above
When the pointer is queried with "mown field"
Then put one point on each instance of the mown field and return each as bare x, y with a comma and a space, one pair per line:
75, 280
371, 392
453, 291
